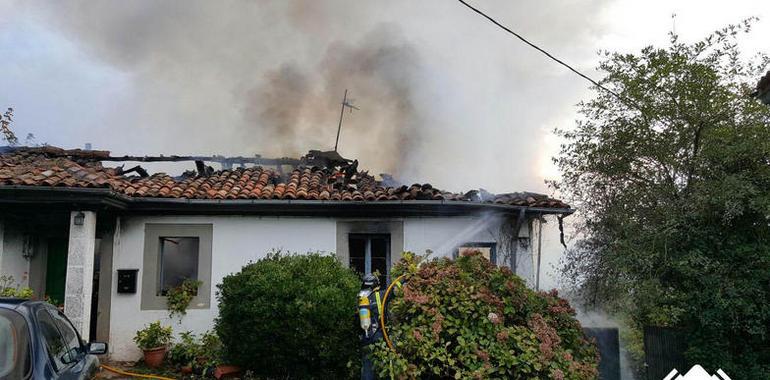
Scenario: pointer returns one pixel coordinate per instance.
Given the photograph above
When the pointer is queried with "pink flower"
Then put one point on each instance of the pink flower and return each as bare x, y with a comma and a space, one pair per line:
494, 318
547, 335
483, 355
436, 327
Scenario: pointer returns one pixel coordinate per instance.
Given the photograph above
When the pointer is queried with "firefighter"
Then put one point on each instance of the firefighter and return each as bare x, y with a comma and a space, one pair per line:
370, 308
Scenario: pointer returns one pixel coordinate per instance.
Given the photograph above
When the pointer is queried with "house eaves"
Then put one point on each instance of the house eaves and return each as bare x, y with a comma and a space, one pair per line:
19, 197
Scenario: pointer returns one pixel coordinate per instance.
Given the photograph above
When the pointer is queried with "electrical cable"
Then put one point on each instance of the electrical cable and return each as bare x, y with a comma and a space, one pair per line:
549, 55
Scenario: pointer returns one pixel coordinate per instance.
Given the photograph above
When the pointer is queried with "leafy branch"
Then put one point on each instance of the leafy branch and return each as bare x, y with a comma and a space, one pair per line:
5, 127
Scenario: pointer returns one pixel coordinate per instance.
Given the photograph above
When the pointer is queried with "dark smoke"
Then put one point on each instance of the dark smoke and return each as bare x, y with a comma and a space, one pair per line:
445, 97
275, 109
297, 108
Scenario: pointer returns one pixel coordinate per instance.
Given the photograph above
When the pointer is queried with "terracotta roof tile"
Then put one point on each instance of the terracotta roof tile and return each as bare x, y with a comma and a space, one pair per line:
51, 166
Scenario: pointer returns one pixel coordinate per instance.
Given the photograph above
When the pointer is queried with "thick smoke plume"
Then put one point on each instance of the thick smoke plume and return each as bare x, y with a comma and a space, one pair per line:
297, 107
445, 98
265, 78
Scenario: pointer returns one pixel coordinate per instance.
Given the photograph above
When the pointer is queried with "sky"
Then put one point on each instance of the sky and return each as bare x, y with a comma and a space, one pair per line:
444, 96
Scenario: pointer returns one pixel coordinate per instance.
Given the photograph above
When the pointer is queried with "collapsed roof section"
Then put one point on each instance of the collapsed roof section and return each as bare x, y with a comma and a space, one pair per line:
319, 176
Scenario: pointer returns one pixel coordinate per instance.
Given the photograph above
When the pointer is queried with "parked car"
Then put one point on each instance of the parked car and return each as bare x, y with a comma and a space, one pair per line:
37, 341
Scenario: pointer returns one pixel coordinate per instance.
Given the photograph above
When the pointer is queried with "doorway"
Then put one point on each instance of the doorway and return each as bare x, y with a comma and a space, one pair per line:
56, 270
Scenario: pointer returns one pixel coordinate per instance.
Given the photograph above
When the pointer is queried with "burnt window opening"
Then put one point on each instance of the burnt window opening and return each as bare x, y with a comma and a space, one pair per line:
178, 262
487, 250
370, 253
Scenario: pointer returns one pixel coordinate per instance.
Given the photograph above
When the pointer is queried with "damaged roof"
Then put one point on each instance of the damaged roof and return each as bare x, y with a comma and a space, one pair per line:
81, 169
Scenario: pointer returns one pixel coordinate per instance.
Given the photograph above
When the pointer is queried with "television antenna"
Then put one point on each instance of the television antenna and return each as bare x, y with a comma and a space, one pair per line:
345, 103
673, 23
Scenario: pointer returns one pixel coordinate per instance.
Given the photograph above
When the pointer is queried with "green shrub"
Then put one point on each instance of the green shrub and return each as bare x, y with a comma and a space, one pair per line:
184, 352
153, 336
192, 351
467, 319
291, 316
8, 290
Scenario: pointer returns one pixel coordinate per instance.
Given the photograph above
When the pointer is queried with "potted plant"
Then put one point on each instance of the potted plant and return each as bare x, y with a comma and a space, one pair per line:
153, 340
178, 298
184, 353
200, 355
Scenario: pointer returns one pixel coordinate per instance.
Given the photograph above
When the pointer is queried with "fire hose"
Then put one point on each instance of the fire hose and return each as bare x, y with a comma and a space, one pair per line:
384, 306
121, 372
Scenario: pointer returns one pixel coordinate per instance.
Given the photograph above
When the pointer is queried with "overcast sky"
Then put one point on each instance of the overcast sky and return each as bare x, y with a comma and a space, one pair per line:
445, 97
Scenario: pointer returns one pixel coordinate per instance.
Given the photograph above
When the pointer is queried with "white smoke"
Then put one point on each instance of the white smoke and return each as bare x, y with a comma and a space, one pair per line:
596, 318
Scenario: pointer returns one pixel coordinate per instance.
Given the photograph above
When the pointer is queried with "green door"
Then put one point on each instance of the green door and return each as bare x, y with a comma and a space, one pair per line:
56, 270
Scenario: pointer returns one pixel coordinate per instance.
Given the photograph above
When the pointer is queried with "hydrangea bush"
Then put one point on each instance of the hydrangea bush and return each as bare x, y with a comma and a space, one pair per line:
467, 319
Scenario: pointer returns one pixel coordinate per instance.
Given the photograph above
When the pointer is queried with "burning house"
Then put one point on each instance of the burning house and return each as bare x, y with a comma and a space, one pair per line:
107, 242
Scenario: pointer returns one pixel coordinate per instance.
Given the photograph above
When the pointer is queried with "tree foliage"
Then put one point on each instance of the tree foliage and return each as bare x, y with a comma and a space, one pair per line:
5, 127
467, 319
671, 182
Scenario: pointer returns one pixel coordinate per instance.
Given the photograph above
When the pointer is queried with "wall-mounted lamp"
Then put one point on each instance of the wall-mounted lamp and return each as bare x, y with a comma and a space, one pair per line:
28, 247
524, 242
80, 218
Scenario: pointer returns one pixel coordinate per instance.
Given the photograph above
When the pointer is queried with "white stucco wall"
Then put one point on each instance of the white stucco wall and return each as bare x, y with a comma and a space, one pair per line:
236, 240
12, 262
442, 235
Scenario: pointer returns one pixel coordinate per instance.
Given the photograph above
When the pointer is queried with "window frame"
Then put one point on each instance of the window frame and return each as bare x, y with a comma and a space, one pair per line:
477, 244
368, 237
392, 227
150, 285
159, 286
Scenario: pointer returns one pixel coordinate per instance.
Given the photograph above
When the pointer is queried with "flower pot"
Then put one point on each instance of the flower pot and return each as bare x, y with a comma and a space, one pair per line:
226, 371
153, 357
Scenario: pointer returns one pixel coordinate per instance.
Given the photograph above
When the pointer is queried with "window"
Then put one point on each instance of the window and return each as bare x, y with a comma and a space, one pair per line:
72, 344
370, 245
488, 250
173, 253
178, 261
370, 253
54, 343
14, 346
9, 345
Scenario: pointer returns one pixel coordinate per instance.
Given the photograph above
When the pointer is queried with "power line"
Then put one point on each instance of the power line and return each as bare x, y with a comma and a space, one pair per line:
549, 55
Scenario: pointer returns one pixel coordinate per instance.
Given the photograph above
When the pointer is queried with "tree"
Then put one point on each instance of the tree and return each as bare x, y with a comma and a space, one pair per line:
670, 176
5, 127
